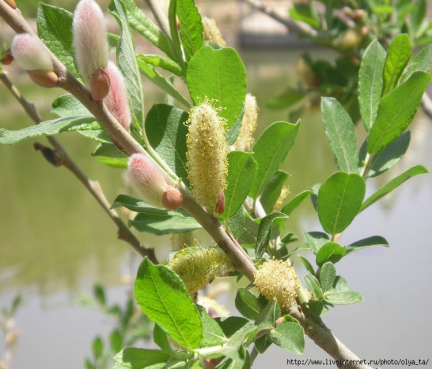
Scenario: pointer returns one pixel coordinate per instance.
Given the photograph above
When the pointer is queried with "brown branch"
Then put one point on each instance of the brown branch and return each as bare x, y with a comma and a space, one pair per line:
291, 25
320, 334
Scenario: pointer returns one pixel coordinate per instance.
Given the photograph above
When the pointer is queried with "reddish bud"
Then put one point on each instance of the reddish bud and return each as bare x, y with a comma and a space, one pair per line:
100, 84
220, 204
172, 198
44, 78
7, 58
49, 154
11, 3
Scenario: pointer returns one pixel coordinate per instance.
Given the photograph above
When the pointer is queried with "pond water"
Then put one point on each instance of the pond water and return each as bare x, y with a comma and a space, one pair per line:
56, 242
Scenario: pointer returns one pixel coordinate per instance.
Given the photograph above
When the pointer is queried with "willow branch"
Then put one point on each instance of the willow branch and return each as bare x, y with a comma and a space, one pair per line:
291, 25
322, 336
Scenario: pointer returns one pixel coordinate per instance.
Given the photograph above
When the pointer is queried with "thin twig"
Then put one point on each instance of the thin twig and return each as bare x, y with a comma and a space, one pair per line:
159, 15
93, 187
291, 25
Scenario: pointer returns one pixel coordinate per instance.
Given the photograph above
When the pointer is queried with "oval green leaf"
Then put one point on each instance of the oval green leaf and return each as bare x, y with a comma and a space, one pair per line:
221, 76
339, 201
162, 296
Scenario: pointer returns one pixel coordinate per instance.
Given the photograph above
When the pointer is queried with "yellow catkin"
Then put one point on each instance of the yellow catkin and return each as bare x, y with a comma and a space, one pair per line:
245, 140
198, 267
212, 32
284, 193
213, 307
276, 279
207, 152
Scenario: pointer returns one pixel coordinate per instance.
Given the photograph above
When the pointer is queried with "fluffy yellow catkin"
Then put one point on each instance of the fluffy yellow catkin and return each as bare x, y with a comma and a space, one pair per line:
284, 193
245, 140
198, 267
207, 151
213, 308
276, 279
212, 32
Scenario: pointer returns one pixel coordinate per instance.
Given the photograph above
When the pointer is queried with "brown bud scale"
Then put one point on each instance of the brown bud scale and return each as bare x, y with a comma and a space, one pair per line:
100, 84
7, 58
44, 78
172, 198
11, 3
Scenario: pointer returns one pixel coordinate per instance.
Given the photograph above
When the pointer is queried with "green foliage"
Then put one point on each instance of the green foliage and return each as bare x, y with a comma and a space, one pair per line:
385, 91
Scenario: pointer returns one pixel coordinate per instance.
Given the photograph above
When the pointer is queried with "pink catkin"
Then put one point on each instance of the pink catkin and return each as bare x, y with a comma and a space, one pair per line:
148, 178
116, 100
90, 39
30, 52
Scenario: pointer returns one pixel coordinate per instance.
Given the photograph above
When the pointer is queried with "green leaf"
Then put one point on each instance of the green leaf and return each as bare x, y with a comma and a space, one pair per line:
398, 55
340, 285
110, 151
221, 76
307, 264
264, 231
327, 276
371, 82
295, 202
272, 191
113, 162
241, 174
116, 340
228, 363
160, 222
160, 338
332, 252
317, 308
339, 201
247, 304
262, 343
418, 16
126, 60
162, 296
289, 336
373, 241
48, 128
98, 135
394, 183
270, 151
145, 26
231, 134
344, 298
286, 100
136, 358
232, 324
421, 62
314, 286
396, 111
89, 365
389, 156
164, 63
153, 75
236, 223
55, 30
191, 27
68, 105
97, 347
166, 133
172, 20
316, 240
268, 316
99, 294
212, 333
339, 129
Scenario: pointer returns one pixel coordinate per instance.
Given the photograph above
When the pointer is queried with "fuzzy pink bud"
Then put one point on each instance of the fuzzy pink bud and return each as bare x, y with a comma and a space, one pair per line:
90, 39
116, 100
151, 181
31, 53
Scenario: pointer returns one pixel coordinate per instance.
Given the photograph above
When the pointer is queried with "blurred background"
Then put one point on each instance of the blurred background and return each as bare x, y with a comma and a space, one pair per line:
56, 243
